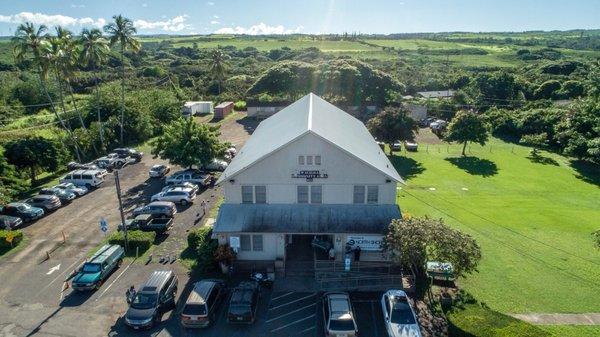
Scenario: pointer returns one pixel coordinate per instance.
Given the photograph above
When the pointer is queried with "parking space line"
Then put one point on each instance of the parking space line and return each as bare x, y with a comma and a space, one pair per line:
115, 280
307, 329
291, 312
68, 269
281, 296
373, 318
294, 322
288, 303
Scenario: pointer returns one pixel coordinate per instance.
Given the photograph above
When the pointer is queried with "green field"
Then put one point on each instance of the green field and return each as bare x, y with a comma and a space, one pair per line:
532, 218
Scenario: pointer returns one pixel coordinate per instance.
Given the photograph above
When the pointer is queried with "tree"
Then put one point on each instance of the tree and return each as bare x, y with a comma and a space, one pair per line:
549, 89
29, 39
218, 66
393, 124
414, 241
467, 127
536, 141
185, 142
36, 154
94, 51
121, 32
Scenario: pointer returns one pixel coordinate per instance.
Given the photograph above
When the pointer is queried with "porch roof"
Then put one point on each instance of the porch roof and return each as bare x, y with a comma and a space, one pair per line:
302, 218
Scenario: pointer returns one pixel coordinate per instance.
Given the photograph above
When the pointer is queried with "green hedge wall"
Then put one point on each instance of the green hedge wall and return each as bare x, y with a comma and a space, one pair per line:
136, 238
199, 240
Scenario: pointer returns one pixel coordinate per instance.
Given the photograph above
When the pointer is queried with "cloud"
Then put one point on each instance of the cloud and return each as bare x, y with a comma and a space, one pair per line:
51, 20
215, 16
144, 5
175, 24
214, 22
77, 6
210, 3
259, 29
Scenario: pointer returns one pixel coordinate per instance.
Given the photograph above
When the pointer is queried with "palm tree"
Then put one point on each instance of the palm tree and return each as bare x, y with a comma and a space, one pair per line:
121, 32
94, 51
218, 66
29, 39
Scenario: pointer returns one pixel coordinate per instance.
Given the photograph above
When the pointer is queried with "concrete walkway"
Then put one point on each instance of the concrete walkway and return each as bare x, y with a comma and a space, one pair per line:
560, 319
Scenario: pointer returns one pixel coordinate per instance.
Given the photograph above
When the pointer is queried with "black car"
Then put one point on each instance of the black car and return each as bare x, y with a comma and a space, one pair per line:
22, 210
125, 152
10, 222
243, 303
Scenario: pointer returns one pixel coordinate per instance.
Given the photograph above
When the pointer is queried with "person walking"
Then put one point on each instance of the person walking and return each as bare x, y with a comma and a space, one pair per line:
357, 253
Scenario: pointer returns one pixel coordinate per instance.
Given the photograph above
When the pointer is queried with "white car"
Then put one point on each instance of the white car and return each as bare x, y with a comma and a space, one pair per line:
338, 317
216, 165
70, 187
179, 195
398, 315
411, 146
158, 171
87, 178
192, 176
396, 146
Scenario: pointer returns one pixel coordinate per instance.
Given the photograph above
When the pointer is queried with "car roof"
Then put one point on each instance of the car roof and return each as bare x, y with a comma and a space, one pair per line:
156, 281
161, 203
84, 171
16, 204
396, 292
43, 196
201, 291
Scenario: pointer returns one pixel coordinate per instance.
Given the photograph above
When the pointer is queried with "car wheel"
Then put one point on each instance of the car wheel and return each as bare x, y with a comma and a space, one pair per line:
120, 262
184, 202
98, 284
88, 186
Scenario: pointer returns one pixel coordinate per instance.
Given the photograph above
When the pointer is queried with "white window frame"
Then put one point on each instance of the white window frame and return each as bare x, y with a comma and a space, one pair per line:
249, 241
315, 187
317, 162
370, 189
300, 160
251, 194
262, 243
360, 200
307, 194
256, 194
309, 160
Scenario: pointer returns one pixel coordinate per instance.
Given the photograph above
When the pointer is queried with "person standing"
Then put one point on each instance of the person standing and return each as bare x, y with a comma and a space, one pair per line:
357, 253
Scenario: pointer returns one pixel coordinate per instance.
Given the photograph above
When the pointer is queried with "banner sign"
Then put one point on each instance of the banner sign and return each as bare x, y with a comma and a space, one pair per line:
234, 242
366, 242
309, 175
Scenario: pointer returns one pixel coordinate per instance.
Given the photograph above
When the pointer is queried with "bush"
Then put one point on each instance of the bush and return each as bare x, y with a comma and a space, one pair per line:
136, 239
200, 242
240, 106
17, 237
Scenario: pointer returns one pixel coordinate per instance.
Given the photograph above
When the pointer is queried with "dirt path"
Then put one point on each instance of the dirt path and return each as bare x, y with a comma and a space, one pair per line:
560, 319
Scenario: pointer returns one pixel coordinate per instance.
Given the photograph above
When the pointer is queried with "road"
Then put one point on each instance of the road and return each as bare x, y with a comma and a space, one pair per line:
31, 301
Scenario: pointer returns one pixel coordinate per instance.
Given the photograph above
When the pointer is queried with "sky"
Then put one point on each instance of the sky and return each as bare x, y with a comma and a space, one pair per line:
185, 17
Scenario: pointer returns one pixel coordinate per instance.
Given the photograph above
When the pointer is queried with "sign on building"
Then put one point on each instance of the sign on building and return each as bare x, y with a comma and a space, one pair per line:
366, 242
234, 243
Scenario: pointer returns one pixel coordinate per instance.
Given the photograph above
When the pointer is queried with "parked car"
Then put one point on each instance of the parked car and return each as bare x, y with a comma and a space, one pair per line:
45, 202
159, 208
411, 146
184, 184
23, 211
87, 178
78, 190
152, 223
9, 222
381, 145
71, 166
396, 146
425, 122
216, 165
126, 152
152, 300
93, 272
64, 196
338, 315
106, 163
181, 195
159, 171
438, 125
398, 315
243, 303
200, 309
190, 176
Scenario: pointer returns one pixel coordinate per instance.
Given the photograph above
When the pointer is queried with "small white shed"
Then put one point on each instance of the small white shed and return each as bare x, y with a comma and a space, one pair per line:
197, 108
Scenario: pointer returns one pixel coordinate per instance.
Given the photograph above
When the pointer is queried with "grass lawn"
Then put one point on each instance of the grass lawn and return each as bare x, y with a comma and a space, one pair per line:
572, 330
532, 218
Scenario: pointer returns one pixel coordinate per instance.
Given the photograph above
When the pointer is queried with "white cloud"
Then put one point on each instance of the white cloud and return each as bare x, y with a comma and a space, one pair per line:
215, 16
259, 29
210, 3
77, 6
214, 22
144, 5
51, 20
175, 24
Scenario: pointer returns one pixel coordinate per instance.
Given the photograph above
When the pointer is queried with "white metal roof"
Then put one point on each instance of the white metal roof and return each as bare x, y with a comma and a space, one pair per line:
311, 114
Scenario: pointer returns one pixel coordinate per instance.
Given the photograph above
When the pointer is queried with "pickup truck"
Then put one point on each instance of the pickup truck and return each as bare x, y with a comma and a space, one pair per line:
93, 272
148, 222
194, 177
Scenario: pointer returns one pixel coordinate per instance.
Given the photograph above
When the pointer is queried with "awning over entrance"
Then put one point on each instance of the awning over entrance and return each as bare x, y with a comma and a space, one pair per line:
297, 218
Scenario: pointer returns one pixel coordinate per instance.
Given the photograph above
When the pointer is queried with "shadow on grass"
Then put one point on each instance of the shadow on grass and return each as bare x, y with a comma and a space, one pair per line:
407, 167
586, 171
475, 166
539, 159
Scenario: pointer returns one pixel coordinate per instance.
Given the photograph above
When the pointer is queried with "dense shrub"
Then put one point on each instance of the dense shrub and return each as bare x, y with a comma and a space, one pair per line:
240, 106
200, 241
17, 237
136, 239
549, 89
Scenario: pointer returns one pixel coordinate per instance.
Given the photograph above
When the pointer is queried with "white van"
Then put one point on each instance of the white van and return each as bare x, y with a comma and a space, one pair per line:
87, 178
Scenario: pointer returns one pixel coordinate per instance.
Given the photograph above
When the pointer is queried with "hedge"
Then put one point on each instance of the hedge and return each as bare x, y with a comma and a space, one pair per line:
136, 238
17, 237
200, 242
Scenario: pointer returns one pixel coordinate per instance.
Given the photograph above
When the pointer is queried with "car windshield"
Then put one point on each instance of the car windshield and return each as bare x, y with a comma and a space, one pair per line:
144, 301
239, 309
194, 309
401, 313
341, 325
91, 268
23, 207
156, 168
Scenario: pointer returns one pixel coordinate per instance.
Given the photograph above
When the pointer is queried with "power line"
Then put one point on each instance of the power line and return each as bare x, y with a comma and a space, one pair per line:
35, 126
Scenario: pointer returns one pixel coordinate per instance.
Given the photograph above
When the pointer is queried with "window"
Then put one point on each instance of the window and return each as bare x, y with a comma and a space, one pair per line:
372, 194
257, 243
245, 243
316, 194
317, 160
300, 160
260, 193
302, 194
309, 160
359, 194
247, 195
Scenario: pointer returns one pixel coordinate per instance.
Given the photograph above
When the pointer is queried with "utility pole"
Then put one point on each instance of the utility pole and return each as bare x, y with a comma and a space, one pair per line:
118, 186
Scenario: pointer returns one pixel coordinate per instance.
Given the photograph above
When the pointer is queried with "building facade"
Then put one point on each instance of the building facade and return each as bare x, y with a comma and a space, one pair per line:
310, 175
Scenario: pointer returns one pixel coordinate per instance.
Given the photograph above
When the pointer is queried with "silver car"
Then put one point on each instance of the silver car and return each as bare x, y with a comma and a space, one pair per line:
398, 315
70, 187
180, 195
338, 315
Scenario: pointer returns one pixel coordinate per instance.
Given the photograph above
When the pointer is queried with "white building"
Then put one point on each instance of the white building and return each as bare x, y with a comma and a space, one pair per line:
309, 170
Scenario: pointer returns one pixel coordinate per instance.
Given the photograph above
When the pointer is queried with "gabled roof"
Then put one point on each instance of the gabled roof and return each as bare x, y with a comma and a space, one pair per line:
311, 114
